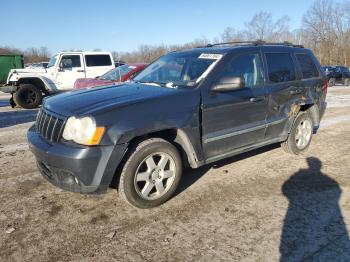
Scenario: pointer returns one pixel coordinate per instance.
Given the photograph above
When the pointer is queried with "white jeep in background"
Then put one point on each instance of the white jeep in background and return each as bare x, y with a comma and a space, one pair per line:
29, 86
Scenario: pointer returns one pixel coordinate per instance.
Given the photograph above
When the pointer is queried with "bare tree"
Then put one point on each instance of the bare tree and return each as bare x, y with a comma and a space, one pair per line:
262, 27
326, 27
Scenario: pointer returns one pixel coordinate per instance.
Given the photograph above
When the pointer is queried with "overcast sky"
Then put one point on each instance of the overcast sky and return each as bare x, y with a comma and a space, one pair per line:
125, 25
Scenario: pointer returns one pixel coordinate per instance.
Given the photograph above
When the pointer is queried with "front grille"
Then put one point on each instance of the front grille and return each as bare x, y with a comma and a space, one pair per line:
49, 126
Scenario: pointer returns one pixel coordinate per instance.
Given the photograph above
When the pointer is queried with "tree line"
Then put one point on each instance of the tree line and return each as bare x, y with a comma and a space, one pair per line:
325, 29
31, 55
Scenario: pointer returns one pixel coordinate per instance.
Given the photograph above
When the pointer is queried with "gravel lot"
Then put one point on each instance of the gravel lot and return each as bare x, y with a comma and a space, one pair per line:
261, 206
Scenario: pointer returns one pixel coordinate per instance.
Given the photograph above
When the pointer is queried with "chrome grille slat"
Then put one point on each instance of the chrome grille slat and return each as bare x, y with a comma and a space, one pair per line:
53, 129
38, 117
40, 121
43, 124
61, 131
49, 126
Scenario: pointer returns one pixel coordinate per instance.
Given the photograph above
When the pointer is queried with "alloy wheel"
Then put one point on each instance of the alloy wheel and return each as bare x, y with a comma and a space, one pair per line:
155, 176
303, 134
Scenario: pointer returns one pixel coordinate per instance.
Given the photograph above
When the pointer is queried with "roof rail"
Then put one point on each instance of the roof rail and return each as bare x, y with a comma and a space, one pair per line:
255, 43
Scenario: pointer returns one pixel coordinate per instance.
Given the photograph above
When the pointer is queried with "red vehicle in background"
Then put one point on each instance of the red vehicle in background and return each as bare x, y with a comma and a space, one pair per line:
119, 74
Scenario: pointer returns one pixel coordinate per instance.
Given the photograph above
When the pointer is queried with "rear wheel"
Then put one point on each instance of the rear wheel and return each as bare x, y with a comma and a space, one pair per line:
151, 173
28, 96
300, 135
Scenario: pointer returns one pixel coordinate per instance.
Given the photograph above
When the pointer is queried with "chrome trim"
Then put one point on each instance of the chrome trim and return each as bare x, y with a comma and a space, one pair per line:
239, 132
276, 122
43, 124
53, 129
243, 131
47, 128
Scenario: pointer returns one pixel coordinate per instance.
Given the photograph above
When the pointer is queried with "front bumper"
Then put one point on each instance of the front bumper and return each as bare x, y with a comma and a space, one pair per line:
76, 169
8, 89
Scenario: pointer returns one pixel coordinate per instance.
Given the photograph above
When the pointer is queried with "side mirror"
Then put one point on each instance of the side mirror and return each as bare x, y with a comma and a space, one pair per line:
229, 84
60, 67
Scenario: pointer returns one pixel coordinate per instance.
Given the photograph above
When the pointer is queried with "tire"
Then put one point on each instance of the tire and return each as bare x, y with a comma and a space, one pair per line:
28, 96
142, 180
296, 146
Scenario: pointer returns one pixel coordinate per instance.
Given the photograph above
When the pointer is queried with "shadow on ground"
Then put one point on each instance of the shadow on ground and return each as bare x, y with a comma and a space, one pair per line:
314, 228
11, 118
191, 176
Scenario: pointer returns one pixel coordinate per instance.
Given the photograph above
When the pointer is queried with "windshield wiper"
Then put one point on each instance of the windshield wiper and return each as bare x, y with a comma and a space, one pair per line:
150, 82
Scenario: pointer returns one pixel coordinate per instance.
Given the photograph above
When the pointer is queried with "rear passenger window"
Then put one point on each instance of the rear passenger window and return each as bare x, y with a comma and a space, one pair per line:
308, 67
280, 67
98, 60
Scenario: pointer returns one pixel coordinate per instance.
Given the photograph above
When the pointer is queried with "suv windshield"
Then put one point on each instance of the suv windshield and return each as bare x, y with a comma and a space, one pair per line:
118, 72
179, 69
52, 61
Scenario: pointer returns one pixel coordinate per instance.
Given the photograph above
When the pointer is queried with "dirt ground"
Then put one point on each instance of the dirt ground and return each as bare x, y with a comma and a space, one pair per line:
265, 205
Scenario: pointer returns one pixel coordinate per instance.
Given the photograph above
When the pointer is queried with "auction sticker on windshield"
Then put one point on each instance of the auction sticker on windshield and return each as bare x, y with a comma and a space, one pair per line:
210, 56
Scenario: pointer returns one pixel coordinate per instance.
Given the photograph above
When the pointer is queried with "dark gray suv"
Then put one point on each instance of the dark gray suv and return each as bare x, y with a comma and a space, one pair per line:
190, 107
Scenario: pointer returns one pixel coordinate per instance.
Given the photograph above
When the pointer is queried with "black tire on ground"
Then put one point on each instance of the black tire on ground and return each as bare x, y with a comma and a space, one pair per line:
291, 144
129, 184
331, 82
28, 96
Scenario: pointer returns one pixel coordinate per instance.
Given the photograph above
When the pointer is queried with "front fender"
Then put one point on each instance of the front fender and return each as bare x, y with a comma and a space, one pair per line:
45, 83
194, 156
9, 89
174, 117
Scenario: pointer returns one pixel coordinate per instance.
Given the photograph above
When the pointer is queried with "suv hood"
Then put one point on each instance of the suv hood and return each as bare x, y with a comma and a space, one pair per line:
28, 70
91, 82
99, 99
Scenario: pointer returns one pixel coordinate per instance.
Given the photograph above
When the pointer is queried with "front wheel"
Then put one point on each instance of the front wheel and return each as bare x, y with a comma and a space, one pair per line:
300, 135
28, 96
151, 173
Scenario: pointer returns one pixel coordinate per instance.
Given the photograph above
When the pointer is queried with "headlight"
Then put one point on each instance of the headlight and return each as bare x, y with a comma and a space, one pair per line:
83, 131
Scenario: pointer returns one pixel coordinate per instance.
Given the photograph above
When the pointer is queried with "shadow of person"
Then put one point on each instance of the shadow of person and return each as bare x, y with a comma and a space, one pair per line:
314, 229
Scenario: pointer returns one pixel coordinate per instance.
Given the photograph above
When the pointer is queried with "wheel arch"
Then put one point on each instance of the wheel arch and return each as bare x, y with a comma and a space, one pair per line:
179, 138
314, 113
38, 82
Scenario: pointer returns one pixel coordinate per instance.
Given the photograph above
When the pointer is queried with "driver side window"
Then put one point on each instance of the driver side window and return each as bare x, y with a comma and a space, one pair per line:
70, 61
247, 67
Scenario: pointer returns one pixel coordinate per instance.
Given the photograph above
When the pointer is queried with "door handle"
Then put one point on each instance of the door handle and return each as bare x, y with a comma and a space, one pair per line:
257, 99
295, 91
80, 71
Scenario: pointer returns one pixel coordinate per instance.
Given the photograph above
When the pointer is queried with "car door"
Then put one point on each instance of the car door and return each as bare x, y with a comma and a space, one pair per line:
283, 87
98, 64
237, 118
70, 69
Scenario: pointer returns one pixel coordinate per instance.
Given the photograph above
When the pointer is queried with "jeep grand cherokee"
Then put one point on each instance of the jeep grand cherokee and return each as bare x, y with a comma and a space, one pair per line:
188, 107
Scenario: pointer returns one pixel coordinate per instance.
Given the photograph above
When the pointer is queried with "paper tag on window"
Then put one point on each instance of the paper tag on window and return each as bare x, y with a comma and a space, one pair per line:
210, 56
